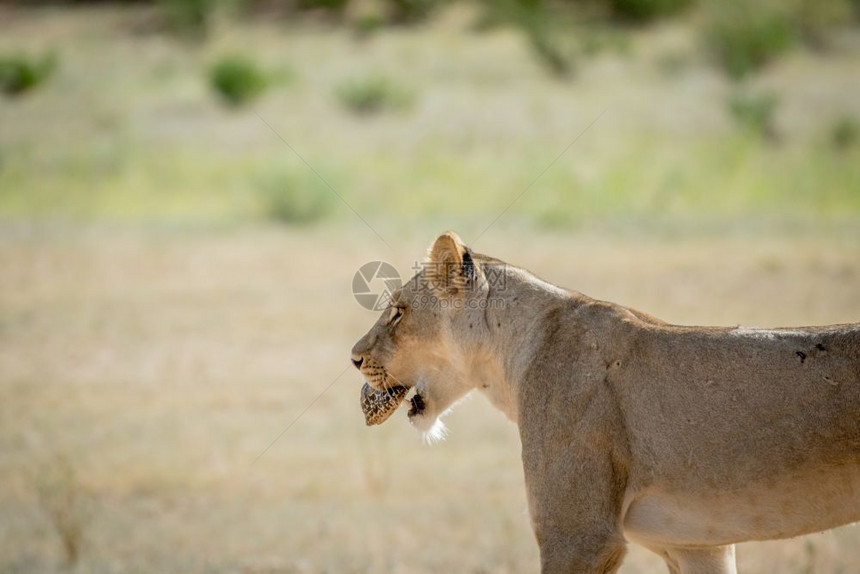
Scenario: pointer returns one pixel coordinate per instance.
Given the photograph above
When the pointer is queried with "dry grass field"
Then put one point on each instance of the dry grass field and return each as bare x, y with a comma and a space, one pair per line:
143, 373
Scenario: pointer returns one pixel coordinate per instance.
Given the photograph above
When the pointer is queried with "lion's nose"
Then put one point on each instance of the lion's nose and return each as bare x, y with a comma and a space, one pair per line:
357, 361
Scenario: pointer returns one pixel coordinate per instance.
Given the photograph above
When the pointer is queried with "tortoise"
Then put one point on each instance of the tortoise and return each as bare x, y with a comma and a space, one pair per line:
377, 406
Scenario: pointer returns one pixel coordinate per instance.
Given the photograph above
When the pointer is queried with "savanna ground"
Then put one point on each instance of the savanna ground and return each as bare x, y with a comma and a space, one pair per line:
159, 329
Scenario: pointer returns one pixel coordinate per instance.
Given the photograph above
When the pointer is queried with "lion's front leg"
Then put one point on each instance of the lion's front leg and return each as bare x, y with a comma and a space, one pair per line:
574, 503
579, 552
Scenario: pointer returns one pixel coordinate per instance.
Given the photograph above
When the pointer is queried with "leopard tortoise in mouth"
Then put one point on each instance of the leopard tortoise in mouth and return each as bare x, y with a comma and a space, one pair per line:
377, 406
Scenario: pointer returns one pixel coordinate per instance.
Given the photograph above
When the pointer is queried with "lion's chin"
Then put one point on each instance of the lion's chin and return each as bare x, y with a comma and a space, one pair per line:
432, 429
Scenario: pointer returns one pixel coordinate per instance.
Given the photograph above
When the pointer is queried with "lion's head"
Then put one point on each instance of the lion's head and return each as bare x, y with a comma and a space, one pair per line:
429, 337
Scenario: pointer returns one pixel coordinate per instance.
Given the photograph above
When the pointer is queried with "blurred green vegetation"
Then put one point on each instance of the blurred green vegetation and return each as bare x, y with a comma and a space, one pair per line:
815, 20
755, 113
540, 27
741, 35
729, 179
334, 7
20, 73
408, 11
296, 196
372, 94
736, 180
744, 36
194, 18
845, 133
237, 79
129, 131
646, 10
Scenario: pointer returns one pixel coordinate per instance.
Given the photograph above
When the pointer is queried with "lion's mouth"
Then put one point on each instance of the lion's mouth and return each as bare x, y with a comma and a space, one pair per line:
376, 379
379, 404
382, 394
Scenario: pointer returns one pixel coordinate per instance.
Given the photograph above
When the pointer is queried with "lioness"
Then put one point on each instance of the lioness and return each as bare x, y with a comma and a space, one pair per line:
685, 440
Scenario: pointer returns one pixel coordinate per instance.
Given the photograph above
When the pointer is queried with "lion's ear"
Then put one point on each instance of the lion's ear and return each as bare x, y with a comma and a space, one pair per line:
448, 248
450, 267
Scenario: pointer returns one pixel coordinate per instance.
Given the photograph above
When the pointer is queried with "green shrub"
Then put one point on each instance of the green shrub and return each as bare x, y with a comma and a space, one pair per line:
541, 27
742, 36
366, 25
845, 133
550, 52
814, 19
410, 11
755, 113
646, 10
332, 6
20, 74
188, 16
237, 79
193, 17
371, 95
298, 198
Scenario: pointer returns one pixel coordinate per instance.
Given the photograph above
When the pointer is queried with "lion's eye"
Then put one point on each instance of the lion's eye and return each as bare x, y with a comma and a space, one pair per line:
395, 314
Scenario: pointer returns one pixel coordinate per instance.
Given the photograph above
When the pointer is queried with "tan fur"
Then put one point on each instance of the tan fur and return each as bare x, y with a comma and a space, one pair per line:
683, 439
